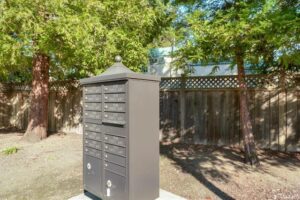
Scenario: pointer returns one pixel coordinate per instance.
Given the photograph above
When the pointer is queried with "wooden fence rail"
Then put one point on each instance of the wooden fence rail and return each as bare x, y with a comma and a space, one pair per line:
202, 110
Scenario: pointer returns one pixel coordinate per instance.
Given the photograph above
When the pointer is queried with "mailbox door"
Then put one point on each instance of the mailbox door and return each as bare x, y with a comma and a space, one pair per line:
114, 186
92, 177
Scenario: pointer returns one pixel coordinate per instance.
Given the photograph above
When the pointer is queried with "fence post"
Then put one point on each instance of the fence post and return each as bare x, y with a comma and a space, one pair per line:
182, 107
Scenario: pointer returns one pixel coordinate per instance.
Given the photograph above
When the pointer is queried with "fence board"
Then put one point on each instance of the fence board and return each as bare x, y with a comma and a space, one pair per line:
196, 105
236, 120
169, 116
292, 137
191, 118
223, 119
51, 117
274, 120
218, 96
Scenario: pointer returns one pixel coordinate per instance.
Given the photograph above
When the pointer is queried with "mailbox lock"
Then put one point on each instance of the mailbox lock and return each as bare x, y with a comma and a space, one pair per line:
88, 166
106, 88
106, 97
105, 106
108, 183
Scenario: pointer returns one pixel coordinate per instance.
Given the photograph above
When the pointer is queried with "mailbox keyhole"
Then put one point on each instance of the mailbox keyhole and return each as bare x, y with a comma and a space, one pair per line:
89, 166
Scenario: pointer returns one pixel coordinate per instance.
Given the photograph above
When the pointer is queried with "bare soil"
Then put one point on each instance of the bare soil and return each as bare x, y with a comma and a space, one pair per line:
52, 169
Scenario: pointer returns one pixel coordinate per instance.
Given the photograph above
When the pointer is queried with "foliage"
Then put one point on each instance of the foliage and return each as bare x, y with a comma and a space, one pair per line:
80, 36
264, 33
10, 150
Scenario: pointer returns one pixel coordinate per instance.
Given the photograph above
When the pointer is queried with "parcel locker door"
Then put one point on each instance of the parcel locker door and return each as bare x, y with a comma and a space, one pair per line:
114, 186
92, 170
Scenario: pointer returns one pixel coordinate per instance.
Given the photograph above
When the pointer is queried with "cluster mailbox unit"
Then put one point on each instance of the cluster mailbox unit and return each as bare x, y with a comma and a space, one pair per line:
121, 141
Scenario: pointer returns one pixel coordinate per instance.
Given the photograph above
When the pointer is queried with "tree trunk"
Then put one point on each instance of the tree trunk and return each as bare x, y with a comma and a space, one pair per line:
249, 143
38, 112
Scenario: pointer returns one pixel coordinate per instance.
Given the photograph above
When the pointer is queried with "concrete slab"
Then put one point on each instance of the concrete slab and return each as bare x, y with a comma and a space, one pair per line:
163, 195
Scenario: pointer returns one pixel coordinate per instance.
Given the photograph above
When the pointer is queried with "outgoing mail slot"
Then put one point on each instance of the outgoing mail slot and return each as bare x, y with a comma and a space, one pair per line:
93, 106
114, 97
92, 98
114, 107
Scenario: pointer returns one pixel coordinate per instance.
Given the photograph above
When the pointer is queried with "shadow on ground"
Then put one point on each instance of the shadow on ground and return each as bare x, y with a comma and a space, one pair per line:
209, 164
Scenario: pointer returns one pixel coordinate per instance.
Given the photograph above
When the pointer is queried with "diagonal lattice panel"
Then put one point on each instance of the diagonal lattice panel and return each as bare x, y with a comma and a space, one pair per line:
223, 82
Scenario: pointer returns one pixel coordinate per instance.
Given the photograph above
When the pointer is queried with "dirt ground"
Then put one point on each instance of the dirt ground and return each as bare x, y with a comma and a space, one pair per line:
52, 169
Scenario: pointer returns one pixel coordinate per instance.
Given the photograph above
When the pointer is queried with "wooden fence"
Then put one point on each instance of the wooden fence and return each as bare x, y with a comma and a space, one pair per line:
202, 110
205, 110
64, 107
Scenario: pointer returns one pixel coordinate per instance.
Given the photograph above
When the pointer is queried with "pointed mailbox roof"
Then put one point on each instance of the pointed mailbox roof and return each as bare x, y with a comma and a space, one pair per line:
118, 71
117, 68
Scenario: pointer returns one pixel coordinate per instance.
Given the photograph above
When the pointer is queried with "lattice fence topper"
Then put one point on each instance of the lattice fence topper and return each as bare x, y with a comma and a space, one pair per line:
226, 82
64, 85
5, 87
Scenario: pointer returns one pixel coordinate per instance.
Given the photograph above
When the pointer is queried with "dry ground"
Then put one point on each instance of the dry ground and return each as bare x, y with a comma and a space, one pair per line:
51, 169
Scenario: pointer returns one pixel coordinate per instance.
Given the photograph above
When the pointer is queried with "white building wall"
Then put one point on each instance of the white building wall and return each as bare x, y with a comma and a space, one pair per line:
165, 68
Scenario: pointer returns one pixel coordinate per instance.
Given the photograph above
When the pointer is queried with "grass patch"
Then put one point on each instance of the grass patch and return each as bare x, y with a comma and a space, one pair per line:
10, 150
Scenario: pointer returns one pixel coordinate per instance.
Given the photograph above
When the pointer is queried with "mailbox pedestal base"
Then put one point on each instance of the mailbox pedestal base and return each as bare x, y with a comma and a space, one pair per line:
163, 195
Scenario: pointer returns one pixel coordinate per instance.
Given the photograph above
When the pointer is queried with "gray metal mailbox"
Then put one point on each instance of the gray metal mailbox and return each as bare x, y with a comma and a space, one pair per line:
121, 140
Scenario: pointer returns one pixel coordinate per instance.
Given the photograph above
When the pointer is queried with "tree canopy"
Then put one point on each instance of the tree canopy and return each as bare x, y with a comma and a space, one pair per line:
81, 37
265, 33
261, 33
